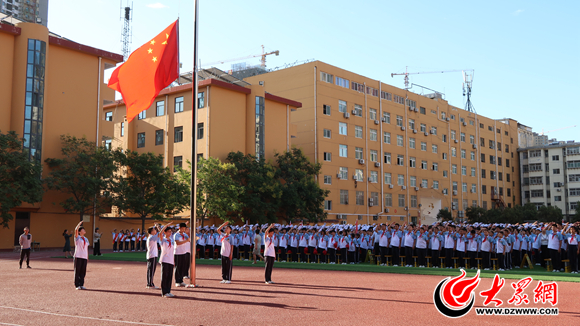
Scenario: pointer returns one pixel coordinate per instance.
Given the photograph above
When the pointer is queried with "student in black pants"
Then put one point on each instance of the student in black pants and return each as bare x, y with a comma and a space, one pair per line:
269, 253
81, 256
167, 263
226, 252
573, 249
153, 253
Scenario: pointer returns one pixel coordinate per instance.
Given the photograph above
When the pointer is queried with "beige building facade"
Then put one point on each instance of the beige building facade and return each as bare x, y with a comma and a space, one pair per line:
389, 154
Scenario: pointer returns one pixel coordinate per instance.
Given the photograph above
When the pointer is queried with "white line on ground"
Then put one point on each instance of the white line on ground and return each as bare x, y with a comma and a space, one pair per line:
10, 324
82, 317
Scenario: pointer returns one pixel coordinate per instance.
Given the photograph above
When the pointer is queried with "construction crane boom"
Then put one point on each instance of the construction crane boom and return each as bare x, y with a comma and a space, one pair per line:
406, 73
262, 59
542, 133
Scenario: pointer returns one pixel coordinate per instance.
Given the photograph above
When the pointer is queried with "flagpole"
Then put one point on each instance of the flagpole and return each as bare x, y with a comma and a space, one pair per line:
193, 199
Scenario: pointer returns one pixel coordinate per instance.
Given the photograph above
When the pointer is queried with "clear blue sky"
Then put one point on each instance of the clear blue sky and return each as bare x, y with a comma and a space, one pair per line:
526, 54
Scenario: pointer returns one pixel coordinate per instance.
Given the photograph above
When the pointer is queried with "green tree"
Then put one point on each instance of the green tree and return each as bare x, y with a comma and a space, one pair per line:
302, 197
513, 215
444, 215
146, 188
530, 212
19, 178
576, 217
84, 173
493, 216
263, 191
218, 195
475, 214
550, 214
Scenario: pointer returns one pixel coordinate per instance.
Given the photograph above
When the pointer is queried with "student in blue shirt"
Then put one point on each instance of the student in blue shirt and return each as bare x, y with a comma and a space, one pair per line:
573, 249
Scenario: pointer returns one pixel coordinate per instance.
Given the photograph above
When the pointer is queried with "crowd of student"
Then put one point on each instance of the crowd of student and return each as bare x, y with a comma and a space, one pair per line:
446, 243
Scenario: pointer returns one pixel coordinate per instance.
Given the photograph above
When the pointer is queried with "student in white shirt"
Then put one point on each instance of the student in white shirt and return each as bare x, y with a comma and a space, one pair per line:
152, 253
269, 253
167, 262
81, 256
180, 251
226, 253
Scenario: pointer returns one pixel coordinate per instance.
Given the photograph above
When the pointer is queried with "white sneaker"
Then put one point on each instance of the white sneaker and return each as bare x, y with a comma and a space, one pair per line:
83, 288
486, 269
502, 270
223, 281
395, 265
227, 282
180, 285
78, 288
169, 295
186, 277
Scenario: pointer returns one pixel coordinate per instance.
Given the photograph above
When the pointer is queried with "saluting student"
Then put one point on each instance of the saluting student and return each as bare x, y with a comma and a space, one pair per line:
573, 249
167, 262
153, 253
180, 251
81, 256
269, 253
115, 237
226, 253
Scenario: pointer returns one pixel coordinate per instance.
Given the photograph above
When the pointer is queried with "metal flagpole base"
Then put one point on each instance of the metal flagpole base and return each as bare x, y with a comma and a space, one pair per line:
192, 286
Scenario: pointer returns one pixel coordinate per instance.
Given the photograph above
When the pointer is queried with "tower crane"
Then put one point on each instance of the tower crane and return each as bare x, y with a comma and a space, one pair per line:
542, 133
467, 82
262, 59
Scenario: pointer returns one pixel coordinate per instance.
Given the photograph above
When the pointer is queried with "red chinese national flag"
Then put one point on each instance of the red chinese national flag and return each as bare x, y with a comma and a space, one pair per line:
149, 69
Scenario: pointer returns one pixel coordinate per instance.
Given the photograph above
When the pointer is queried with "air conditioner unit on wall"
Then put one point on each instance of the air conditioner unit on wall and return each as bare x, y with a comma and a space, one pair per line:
403, 128
391, 186
376, 122
454, 192
353, 112
386, 210
383, 119
474, 146
361, 161
426, 134
416, 188
414, 131
404, 187
456, 141
347, 115
377, 164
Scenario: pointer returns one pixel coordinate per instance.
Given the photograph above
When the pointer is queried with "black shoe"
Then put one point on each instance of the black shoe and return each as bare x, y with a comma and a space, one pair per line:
20, 267
28, 267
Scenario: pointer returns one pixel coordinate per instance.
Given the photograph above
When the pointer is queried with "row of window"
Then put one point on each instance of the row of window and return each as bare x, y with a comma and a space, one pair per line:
159, 135
160, 107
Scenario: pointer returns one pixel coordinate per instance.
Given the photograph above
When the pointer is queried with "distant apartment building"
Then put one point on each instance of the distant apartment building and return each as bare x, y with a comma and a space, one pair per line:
31, 11
389, 154
550, 175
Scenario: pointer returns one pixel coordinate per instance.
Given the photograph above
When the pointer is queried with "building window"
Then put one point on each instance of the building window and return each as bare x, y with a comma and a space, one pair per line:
358, 175
374, 176
454, 168
400, 180
342, 82
387, 137
357, 110
260, 124
413, 181
178, 135
483, 173
374, 155
413, 201
34, 100
158, 137
423, 127
434, 148
140, 140
344, 197
555, 157
401, 200
555, 171
412, 124
123, 129
327, 156
327, 180
463, 153
179, 104
445, 173
423, 146
360, 197
343, 171
326, 109
373, 135
412, 143
177, 162
422, 110
454, 185
400, 160
326, 133
342, 129
328, 205
444, 138
399, 121
358, 131
453, 152
412, 162
424, 165
386, 96
435, 184
434, 130
341, 106
452, 134
387, 158
388, 200
343, 151
160, 109
463, 170
444, 156
387, 117
109, 116
372, 114
326, 77
424, 183
142, 115
387, 177
473, 172
399, 140
435, 166
200, 100
200, 130
464, 187
472, 156
358, 153
471, 139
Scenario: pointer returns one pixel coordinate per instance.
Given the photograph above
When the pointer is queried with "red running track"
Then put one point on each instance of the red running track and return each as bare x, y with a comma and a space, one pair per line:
116, 295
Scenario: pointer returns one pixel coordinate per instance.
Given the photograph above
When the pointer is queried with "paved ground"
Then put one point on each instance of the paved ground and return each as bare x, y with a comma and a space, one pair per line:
116, 295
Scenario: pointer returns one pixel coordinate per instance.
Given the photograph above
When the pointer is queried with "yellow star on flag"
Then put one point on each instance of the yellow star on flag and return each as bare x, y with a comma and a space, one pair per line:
154, 59
153, 42
149, 51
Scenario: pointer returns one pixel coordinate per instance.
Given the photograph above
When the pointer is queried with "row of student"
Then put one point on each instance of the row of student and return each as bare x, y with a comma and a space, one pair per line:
509, 244
129, 240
